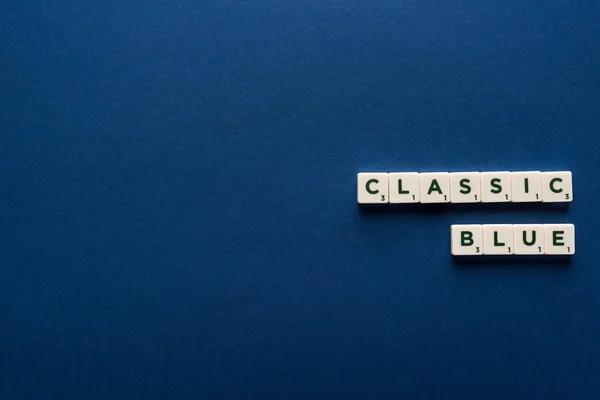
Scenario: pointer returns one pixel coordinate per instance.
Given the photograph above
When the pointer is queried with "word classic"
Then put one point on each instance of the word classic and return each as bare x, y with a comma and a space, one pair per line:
464, 187
547, 239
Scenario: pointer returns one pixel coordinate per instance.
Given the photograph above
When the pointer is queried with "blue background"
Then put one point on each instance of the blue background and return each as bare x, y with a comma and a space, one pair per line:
178, 199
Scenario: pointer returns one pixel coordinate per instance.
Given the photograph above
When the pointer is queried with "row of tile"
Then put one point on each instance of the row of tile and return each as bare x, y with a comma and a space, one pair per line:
464, 187
534, 239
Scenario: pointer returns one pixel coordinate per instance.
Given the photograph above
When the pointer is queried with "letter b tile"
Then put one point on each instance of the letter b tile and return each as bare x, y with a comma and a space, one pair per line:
467, 240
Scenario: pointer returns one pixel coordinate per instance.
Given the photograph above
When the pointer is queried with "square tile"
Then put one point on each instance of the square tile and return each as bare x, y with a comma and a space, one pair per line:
434, 187
526, 186
404, 187
557, 187
372, 188
465, 187
496, 187
466, 240
560, 239
498, 239
529, 239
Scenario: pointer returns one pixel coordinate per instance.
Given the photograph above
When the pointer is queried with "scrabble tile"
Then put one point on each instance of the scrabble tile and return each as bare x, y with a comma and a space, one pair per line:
526, 186
434, 187
529, 239
466, 240
560, 239
557, 187
404, 187
465, 187
372, 188
498, 240
496, 187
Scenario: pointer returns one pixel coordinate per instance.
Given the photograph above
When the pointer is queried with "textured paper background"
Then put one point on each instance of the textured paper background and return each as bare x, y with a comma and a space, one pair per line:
178, 200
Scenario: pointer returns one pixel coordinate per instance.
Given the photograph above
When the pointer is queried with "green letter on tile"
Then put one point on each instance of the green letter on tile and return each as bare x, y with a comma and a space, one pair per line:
434, 187
369, 182
466, 238
464, 183
525, 242
496, 242
552, 185
496, 187
400, 191
557, 238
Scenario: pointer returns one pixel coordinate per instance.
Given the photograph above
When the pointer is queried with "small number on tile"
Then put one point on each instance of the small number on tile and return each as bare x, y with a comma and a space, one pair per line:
372, 188
434, 187
465, 185
497, 239
557, 186
495, 187
526, 186
466, 240
560, 239
528, 239
404, 187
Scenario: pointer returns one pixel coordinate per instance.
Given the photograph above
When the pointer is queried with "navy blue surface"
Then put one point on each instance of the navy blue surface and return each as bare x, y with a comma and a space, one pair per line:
178, 199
